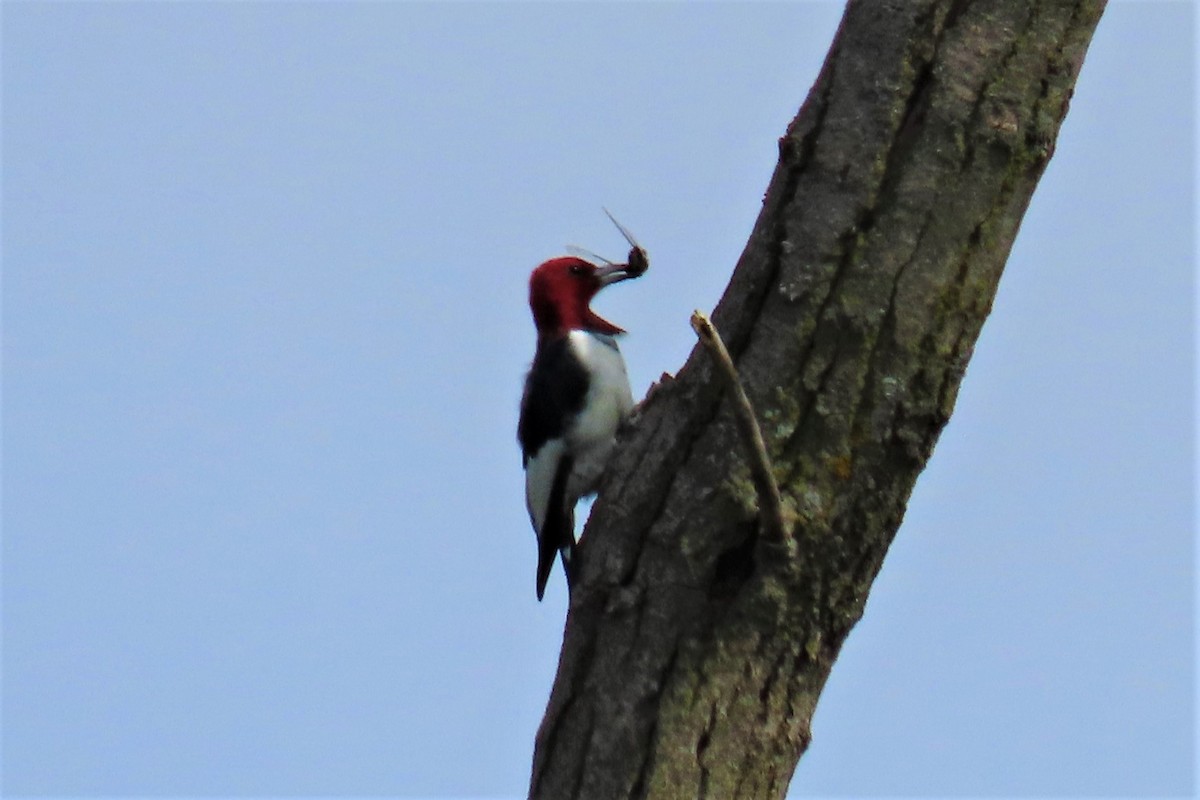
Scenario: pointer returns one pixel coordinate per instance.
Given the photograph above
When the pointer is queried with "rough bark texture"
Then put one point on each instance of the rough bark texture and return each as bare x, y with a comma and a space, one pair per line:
695, 649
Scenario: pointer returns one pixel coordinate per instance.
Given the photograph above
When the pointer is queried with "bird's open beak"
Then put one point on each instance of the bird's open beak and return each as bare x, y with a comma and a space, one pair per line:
613, 273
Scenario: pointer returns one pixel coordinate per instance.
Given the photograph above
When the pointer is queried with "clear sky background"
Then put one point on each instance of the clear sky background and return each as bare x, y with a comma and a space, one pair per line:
264, 333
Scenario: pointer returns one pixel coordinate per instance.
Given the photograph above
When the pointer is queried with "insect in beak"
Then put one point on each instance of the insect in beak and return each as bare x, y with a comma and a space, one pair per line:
638, 262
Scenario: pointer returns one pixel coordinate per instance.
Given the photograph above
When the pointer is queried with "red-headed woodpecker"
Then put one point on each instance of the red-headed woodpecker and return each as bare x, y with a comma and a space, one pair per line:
576, 397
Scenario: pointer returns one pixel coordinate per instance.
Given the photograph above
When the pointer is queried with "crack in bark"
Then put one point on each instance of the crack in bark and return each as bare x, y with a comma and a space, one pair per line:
638, 611
640, 787
572, 686
918, 97
999, 73
702, 747
583, 761
794, 158
672, 464
641, 453
885, 333
764, 694
690, 437
954, 295
551, 736
996, 75
793, 465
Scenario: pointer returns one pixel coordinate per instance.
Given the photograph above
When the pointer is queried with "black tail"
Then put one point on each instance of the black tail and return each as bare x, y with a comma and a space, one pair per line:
558, 530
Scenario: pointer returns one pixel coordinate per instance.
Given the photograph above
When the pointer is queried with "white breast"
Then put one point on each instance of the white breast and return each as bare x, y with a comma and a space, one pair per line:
609, 401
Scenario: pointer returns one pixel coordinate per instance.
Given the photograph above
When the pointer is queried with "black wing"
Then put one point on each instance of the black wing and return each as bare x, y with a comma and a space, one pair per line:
558, 532
555, 389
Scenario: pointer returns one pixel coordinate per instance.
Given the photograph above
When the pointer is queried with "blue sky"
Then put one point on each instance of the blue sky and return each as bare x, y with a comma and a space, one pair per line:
264, 332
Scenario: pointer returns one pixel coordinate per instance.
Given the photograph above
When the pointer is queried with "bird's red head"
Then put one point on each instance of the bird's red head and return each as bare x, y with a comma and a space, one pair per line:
561, 292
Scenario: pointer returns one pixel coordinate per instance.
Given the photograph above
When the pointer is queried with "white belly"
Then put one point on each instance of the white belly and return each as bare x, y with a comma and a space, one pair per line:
609, 401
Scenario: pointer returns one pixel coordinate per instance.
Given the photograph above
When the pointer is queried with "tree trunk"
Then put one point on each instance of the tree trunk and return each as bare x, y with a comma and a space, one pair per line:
695, 648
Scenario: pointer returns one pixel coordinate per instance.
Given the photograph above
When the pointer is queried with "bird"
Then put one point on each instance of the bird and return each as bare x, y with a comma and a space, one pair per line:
575, 399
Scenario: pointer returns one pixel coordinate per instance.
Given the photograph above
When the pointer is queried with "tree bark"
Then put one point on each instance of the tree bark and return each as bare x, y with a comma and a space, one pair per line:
695, 648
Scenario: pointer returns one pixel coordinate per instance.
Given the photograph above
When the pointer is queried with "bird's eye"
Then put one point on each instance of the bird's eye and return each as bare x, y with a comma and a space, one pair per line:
577, 269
